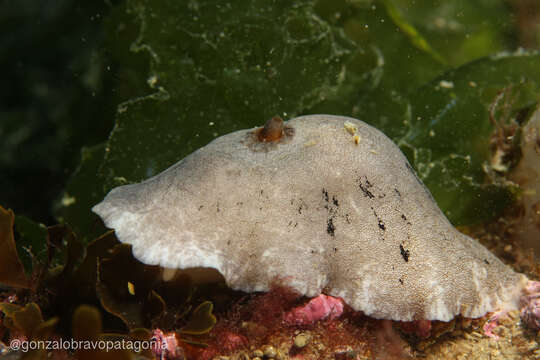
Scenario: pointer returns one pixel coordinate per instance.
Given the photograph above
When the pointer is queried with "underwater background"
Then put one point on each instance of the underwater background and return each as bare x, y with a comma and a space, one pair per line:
437, 77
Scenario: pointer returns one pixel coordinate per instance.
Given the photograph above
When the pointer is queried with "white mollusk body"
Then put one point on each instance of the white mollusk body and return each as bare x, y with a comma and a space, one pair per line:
332, 207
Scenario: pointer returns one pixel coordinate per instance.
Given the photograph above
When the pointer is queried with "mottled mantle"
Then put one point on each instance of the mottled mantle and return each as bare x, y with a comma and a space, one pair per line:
326, 209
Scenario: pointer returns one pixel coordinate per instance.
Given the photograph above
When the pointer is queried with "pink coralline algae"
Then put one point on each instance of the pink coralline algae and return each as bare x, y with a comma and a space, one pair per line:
492, 323
529, 305
166, 346
319, 308
231, 341
227, 342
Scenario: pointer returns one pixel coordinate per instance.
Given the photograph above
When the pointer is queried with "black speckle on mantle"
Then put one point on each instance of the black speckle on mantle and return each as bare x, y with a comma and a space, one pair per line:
404, 253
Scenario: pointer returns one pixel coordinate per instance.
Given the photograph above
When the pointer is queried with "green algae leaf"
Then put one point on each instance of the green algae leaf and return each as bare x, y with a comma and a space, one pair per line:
129, 311
461, 30
452, 125
66, 251
130, 290
217, 67
86, 273
202, 320
9, 309
28, 321
416, 38
194, 70
84, 189
31, 243
86, 323
154, 306
11, 269
124, 287
401, 45
386, 65
46, 328
87, 326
